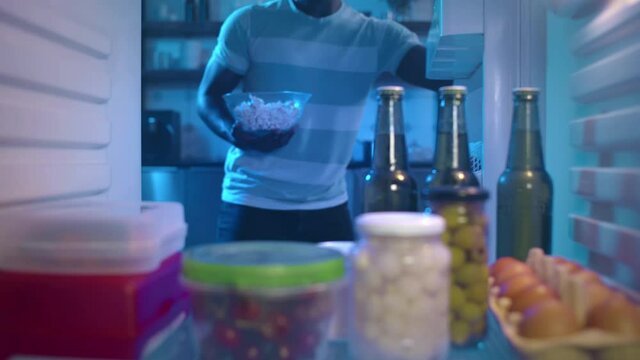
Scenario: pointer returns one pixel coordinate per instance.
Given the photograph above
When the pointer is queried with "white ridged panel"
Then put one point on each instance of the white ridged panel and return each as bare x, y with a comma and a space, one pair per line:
614, 269
619, 186
615, 75
64, 127
69, 100
618, 21
43, 22
38, 64
30, 183
608, 239
616, 130
52, 155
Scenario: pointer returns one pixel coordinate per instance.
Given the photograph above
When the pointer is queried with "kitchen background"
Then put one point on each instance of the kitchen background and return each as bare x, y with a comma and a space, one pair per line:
182, 159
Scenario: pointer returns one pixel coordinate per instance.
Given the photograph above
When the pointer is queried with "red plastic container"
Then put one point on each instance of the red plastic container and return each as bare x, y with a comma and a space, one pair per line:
89, 281
87, 305
68, 345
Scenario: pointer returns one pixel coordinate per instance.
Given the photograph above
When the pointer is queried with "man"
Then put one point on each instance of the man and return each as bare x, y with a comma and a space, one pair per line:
290, 185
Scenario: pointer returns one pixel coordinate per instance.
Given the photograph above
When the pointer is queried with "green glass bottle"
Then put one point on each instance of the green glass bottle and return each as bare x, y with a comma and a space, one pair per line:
452, 164
388, 185
525, 190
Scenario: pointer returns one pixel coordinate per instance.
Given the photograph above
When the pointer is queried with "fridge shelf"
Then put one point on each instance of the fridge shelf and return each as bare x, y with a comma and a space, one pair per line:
611, 131
618, 186
609, 27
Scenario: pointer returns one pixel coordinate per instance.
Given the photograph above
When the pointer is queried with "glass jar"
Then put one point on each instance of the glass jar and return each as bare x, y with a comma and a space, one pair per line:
465, 235
399, 297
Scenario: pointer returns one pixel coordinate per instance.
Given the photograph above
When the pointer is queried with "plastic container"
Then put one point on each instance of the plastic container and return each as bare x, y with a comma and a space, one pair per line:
466, 232
264, 112
400, 299
176, 341
91, 305
263, 300
89, 279
91, 238
571, 282
40, 344
339, 330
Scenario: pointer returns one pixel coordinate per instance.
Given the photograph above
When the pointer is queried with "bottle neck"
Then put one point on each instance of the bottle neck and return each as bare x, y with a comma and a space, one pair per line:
389, 147
452, 146
525, 146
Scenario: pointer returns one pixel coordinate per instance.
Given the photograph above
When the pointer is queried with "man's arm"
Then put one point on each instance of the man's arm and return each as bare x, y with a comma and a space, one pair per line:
216, 82
413, 69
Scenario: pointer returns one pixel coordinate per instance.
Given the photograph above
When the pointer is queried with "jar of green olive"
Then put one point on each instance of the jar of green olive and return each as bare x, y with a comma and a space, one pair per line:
465, 235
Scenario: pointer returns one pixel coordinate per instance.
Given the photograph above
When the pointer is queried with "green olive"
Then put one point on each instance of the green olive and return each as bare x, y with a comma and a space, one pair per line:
460, 332
457, 257
478, 254
471, 312
446, 238
468, 237
454, 215
478, 293
470, 274
456, 298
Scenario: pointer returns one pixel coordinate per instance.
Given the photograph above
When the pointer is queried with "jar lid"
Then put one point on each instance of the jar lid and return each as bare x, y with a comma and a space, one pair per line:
262, 264
400, 224
456, 193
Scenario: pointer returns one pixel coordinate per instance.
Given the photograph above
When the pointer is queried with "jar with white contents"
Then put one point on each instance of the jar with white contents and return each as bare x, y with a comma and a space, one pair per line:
399, 299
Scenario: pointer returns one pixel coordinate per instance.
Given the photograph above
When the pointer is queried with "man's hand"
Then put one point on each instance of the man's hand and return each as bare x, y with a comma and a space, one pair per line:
263, 141
413, 70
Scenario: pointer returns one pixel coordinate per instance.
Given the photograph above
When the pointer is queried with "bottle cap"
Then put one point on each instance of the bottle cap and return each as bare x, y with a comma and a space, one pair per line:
453, 90
527, 92
390, 90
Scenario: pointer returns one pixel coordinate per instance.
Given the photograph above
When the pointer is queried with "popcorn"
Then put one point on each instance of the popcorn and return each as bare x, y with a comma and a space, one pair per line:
255, 114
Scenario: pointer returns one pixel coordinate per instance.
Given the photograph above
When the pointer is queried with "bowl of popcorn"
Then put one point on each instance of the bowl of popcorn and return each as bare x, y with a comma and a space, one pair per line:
264, 112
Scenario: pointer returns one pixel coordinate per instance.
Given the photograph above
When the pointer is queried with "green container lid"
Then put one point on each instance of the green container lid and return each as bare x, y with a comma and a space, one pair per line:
262, 264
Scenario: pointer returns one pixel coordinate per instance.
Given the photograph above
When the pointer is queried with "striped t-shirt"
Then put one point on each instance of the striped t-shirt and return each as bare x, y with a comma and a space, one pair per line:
336, 59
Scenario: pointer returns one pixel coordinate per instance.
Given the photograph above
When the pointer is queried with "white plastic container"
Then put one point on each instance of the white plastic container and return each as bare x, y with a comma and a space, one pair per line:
339, 330
400, 295
91, 237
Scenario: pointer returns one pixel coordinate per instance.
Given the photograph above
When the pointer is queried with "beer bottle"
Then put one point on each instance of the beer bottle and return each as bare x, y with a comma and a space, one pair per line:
388, 184
452, 165
524, 188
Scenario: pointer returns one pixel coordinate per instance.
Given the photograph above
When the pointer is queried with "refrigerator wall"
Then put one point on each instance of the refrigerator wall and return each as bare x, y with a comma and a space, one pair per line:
593, 133
69, 100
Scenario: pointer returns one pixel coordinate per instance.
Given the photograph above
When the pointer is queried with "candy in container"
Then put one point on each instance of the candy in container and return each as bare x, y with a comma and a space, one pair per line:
263, 300
400, 294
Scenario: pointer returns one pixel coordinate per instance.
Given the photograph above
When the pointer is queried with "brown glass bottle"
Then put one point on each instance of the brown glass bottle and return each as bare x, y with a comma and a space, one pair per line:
525, 190
388, 185
451, 165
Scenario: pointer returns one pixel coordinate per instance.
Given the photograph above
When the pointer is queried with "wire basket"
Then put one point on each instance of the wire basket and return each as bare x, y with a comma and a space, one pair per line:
475, 152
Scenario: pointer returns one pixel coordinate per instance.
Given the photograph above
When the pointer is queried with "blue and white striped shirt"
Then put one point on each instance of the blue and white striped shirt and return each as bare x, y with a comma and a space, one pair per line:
336, 59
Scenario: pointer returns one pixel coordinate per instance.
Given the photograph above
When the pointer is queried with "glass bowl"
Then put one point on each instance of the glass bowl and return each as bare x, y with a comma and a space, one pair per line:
266, 111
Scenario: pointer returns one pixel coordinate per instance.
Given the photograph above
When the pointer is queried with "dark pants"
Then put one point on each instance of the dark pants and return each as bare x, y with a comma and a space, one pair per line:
238, 222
